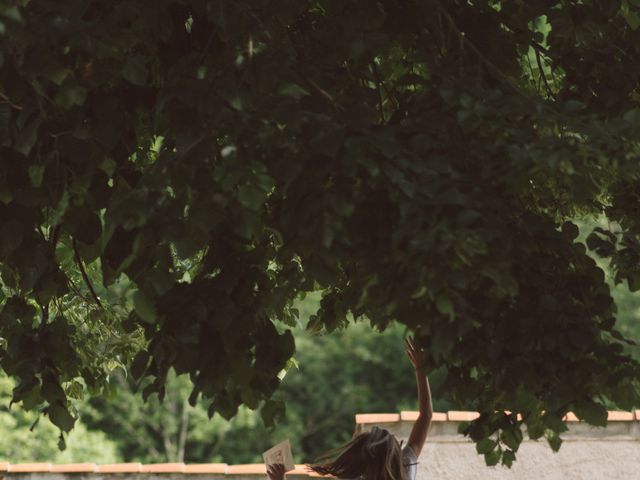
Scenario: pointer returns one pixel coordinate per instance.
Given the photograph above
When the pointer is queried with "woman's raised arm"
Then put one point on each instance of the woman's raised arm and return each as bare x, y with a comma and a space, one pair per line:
421, 426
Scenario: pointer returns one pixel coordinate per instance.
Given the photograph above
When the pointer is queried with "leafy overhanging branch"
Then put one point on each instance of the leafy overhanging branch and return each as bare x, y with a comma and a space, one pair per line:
213, 166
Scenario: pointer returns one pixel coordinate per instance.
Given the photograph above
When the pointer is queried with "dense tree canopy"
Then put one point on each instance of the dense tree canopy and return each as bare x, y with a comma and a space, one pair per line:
192, 166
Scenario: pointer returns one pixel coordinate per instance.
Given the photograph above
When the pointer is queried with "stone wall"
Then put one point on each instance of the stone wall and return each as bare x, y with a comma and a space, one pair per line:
608, 453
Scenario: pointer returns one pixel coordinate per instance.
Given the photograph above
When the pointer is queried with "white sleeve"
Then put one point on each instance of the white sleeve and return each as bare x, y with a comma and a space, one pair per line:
410, 462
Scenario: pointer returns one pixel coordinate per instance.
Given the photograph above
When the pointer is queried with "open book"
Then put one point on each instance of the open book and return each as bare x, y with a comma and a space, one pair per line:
281, 453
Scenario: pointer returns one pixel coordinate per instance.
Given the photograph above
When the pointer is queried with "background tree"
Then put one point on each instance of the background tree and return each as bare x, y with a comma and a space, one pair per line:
434, 153
25, 439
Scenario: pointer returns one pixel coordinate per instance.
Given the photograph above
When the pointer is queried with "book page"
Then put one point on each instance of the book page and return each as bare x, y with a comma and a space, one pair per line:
281, 453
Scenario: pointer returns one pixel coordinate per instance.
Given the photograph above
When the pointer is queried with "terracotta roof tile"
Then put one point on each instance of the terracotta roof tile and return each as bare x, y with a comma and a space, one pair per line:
377, 418
461, 416
74, 468
248, 469
413, 416
120, 468
409, 416
163, 468
571, 417
29, 467
620, 416
220, 468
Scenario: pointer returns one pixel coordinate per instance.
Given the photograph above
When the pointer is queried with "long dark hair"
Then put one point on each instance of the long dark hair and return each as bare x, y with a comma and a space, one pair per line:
374, 455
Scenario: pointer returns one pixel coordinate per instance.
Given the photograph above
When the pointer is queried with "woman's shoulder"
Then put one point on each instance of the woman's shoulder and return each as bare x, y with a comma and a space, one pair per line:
409, 454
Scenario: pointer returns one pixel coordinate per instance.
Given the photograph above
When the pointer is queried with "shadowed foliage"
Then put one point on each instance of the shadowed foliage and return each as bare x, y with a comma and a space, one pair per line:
174, 173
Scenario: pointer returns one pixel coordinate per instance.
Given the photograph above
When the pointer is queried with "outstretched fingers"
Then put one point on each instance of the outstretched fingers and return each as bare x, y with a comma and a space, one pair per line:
416, 355
275, 471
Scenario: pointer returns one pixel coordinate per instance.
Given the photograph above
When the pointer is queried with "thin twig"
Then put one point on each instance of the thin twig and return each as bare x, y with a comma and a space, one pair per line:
53, 237
377, 77
539, 47
532, 74
196, 143
8, 100
323, 93
542, 74
85, 277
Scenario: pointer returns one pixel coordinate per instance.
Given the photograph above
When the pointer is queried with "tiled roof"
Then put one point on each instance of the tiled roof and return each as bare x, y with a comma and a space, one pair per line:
258, 468
460, 416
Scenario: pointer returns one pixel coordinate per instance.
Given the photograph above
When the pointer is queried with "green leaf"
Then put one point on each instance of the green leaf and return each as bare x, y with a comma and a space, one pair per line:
571, 230
492, 458
60, 417
486, 445
444, 305
52, 392
573, 106
272, 412
62, 444
554, 422
144, 307
633, 20
5, 122
512, 437
535, 430
28, 136
633, 280
24, 388
508, 457
11, 12
225, 406
135, 70
251, 197
36, 173
11, 237
293, 90
554, 440
139, 364
71, 96
83, 225
591, 412
162, 280
249, 398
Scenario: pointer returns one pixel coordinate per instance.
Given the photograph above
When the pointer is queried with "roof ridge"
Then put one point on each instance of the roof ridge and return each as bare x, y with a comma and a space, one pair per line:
136, 467
466, 416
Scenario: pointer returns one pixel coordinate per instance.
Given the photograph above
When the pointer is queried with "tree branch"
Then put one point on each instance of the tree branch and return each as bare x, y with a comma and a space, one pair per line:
544, 77
184, 430
377, 77
53, 237
8, 100
85, 277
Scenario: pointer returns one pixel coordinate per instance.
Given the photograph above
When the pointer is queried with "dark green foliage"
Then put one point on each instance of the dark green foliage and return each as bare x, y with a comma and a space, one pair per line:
207, 160
353, 370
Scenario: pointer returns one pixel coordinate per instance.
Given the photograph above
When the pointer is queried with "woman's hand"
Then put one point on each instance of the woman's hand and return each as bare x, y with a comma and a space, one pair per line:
275, 471
416, 355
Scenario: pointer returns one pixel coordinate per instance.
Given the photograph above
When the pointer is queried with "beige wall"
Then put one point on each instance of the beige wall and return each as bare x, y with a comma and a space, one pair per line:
587, 453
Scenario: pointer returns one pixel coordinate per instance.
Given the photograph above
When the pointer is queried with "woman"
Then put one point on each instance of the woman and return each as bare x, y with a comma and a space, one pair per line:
377, 455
